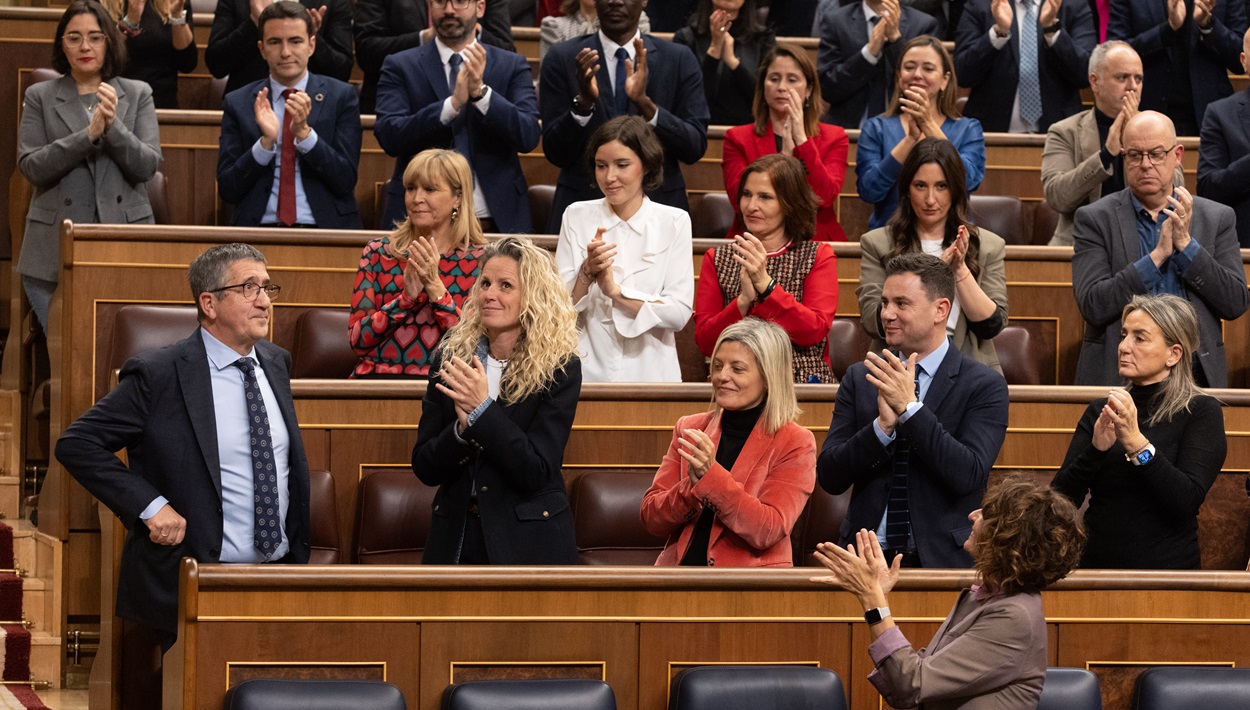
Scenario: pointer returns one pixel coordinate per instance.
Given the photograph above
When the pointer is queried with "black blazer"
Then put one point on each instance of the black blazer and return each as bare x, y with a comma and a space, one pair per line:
846, 78
730, 94
328, 171
232, 50
384, 27
161, 412
992, 75
675, 84
513, 455
1223, 162
954, 437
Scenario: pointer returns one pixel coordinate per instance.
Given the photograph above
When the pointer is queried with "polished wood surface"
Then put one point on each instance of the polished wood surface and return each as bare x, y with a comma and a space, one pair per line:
635, 627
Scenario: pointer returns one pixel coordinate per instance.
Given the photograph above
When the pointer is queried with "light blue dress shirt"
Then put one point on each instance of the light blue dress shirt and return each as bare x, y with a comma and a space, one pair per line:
303, 213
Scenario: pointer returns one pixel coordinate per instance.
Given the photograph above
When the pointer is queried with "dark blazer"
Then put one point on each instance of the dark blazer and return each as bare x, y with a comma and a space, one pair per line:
730, 93
1144, 24
76, 178
1224, 158
513, 455
232, 45
675, 84
955, 438
846, 78
410, 99
993, 75
161, 412
1104, 277
384, 27
328, 171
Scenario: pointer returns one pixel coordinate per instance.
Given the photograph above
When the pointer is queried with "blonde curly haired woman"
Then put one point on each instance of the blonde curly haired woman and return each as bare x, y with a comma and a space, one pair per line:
502, 397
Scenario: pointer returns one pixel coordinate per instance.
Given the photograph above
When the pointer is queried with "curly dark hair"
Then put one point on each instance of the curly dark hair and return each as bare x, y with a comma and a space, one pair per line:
1031, 536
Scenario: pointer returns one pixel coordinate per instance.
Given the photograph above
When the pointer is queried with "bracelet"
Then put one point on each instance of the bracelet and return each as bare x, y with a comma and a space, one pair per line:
126, 21
582, 274
124, 26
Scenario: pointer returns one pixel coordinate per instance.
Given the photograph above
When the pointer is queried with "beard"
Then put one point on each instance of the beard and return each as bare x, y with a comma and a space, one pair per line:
452, 30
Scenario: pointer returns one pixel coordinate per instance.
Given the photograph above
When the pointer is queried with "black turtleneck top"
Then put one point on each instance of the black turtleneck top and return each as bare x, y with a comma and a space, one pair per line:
735, 427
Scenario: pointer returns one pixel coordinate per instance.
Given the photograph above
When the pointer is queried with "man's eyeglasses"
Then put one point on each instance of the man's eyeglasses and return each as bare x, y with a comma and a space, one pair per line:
1133, 157
457, 4
73, 39
251, 290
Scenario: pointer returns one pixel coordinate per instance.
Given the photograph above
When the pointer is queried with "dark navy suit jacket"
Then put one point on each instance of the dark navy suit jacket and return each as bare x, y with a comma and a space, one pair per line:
954, 438
993, 75
161, 412
1224, 158
328, 171
411, 92
675, 84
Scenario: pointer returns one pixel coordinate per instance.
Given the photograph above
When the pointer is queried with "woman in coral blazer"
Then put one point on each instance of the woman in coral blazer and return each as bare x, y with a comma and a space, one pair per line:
787, 110
735, 479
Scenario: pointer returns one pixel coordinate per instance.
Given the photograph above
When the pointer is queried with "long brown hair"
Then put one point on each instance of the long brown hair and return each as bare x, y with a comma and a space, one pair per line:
811, 107
946, 97
902, 224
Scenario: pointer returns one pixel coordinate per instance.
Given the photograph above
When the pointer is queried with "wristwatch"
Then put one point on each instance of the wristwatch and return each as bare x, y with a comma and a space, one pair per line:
480, 95
581, 110
178, 20
1142, 457
876, 616
1053, 28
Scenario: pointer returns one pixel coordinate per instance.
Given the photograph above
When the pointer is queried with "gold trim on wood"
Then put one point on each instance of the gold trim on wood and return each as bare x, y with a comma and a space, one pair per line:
230, 664
603, 666
1219, 664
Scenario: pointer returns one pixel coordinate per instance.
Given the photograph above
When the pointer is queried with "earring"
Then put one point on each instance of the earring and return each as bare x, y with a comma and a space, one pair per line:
455, 213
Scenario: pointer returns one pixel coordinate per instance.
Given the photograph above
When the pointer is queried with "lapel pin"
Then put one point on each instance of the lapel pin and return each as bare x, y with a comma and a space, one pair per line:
319, 97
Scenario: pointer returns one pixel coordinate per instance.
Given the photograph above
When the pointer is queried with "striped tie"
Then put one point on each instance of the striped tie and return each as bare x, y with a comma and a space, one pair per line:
898, 519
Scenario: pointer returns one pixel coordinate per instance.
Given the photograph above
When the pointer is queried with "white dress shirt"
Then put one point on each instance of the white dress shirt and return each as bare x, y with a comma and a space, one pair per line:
449, 114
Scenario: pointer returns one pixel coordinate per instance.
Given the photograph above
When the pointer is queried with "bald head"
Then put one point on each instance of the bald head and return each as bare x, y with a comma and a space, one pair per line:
1149, 137
1245, 51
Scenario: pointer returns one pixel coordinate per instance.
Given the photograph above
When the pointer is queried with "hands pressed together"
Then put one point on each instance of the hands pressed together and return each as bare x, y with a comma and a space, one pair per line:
465, 384
1118, 422
421, 270
895, 380
105, 111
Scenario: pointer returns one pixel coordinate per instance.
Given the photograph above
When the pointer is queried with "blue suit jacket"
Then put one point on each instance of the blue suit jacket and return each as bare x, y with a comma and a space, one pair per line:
954, 437
675, 84
993, 75
161, 412
328, 171
1144, 24
1224, 160
411, 91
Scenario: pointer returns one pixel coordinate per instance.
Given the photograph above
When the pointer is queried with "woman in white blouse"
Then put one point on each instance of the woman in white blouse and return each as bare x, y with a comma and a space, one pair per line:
626, 261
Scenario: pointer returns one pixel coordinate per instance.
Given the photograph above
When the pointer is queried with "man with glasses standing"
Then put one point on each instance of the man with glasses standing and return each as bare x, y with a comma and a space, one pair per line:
467, 96
216, 469
1152, 237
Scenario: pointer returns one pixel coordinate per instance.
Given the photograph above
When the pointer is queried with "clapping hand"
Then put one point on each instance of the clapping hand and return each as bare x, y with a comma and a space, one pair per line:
465, 385
266, 119
861, 569
587, 76
699, 451
105, 111
421, 271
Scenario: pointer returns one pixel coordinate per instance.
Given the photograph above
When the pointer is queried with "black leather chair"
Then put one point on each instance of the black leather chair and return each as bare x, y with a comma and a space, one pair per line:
1001, 214
1070, 689
1176, 687
757, 688
538, 694
276, 694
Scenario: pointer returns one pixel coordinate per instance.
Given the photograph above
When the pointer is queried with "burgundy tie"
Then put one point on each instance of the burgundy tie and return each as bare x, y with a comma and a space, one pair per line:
286, 171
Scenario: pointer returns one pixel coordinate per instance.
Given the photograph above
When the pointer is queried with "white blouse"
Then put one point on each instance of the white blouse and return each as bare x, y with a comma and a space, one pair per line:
652, 265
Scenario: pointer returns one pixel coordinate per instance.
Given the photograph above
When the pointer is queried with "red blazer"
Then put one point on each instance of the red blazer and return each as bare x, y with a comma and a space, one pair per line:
824, 156
757, 503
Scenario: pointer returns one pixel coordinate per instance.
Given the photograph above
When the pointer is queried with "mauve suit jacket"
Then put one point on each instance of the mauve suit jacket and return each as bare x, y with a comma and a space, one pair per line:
75, 177
756, 503
992, 658
1105, 278
161, 412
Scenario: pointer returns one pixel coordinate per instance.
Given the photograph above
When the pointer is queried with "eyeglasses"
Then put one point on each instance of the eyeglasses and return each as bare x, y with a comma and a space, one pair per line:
457, 4
1133, 157
251, 290
74, 39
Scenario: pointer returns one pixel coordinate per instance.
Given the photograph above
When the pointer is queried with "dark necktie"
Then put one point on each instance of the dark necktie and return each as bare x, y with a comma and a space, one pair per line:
618, 90
1030, 89
459, 136
876, 85
898, 520
286, 171
268, 533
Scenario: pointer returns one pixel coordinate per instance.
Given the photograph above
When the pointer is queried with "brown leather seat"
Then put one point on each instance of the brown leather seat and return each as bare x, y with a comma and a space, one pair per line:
138, 328
607, 520
37, 75
383, 197
324, 520
1045, 220
159, 198
1015, 353
689, 356
321, 348
712, 217
848, 344
392, 518
1001, 214
217, 92
821, 522
541, 197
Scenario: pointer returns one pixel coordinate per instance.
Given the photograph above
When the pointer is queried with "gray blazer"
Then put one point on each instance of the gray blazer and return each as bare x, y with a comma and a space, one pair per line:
973, 340
1072, 172
987, 655
1104, 278
76, 178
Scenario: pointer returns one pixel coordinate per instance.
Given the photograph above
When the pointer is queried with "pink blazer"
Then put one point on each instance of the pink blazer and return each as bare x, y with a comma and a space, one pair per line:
824, 156
756, 503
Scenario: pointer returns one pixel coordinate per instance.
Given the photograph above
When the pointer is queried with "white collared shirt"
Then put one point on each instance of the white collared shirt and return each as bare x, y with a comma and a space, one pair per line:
449, 114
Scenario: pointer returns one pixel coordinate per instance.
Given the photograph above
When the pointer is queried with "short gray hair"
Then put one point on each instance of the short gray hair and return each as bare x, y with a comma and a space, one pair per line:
209, 270
1098, 57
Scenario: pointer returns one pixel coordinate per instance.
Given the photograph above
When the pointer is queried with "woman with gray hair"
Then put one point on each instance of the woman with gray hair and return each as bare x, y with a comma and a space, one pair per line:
736, 478
1148, 452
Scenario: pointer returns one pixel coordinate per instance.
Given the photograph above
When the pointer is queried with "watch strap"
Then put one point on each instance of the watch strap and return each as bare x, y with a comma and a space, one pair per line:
876, 616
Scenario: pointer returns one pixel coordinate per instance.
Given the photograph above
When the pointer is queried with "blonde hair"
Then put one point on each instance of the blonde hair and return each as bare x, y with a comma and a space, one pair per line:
1179, 324
117, 10
548, 338
772, 350
431, 168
